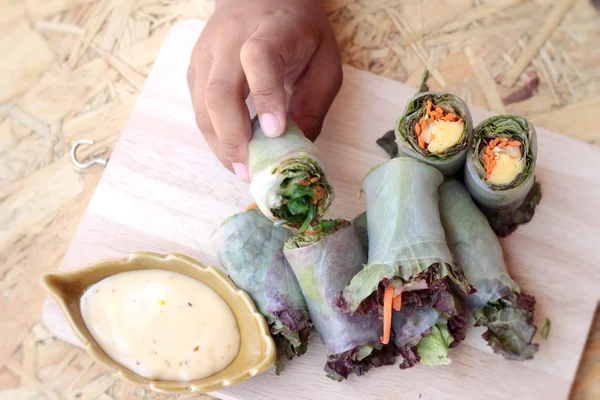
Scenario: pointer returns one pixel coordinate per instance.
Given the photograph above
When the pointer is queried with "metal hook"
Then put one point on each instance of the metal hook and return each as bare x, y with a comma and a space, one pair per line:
87, 164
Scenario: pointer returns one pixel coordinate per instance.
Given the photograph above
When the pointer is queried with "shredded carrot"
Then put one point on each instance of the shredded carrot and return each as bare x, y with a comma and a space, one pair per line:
318, 195
514, 143
304, 182
314, 179
397, 302
309, 233
252, 206
435, 113
387, 314
451, 117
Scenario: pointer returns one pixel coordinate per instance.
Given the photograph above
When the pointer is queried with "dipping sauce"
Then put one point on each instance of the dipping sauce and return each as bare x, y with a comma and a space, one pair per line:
161, 324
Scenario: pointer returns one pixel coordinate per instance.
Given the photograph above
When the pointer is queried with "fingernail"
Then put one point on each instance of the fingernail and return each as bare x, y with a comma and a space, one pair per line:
270, 125
241, 171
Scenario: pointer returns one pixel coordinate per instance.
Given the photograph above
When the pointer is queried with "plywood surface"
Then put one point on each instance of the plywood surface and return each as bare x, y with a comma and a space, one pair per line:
164, 191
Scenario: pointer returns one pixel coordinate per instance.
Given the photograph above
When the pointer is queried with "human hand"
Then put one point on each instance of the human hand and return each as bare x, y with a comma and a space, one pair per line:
263, 48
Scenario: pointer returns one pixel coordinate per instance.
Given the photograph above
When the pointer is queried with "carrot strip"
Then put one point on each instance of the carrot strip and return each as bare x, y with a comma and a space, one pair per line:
318, 195
314, 179
251, 206
514, 143
418, 129
387, 314
397, 302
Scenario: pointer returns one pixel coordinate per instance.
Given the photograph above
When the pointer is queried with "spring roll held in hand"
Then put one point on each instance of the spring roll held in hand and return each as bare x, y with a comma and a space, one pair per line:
324, 260
436, 128
250, 247
499, 171
287, 178
407, 245
498, 303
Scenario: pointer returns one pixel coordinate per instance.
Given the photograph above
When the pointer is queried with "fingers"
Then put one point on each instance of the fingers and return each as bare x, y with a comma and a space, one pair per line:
315, 91
263, 64
224, 96
198, 72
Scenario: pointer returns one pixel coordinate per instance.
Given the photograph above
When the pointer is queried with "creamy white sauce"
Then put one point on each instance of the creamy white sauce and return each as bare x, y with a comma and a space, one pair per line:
264, 188
161, 324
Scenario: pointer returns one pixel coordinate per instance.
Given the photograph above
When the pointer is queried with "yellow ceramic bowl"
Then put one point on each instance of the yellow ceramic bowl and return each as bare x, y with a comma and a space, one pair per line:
257, 348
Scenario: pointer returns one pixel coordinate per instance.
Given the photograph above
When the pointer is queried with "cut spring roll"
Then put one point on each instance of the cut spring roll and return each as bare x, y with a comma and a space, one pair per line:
498, 304
250, 247
429, 323
499, 171
407, 246
436, 128
324, 260
287, 177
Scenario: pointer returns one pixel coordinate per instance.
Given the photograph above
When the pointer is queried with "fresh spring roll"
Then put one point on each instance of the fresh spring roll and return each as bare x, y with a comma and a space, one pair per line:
287, 177
499, 171
429, 323
407, 245
250, 247
436, 128
498, 303
324, 260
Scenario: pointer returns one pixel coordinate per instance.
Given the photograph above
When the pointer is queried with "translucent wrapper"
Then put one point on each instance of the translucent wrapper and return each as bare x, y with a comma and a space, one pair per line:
324, 265
250, 247
287, 176
506, 206
360, 228
406, 238
453, 158
498, 303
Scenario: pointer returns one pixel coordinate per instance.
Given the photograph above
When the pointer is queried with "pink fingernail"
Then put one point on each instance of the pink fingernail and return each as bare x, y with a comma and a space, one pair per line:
270, 125
241, 171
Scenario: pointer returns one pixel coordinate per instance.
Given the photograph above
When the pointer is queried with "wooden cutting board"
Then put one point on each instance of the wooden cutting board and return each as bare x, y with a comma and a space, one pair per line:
164, 191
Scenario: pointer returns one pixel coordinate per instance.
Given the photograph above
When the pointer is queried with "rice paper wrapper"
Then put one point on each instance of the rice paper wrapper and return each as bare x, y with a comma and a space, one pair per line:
474, 245
411, 322
323, 269
508, 197
266, 157
360, 228
454, 158
250, 247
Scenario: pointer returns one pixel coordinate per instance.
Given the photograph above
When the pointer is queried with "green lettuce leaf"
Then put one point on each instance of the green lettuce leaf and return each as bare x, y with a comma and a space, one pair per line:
433, 348
298, 206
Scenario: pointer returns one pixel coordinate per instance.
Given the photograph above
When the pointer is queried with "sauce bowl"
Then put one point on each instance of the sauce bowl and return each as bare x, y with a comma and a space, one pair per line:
257, 349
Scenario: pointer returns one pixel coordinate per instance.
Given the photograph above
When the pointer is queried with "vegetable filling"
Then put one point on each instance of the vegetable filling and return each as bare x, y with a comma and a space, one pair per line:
502, 161
304, 193
438, 129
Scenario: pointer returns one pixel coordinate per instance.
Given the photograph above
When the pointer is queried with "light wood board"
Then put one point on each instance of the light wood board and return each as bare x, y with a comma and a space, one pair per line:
164, 191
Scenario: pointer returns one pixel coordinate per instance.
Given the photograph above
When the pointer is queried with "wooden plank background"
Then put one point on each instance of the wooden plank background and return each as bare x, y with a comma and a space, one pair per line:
72, 69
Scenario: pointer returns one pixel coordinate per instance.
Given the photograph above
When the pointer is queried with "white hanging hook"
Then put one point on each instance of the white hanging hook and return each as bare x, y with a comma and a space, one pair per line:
89, 163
